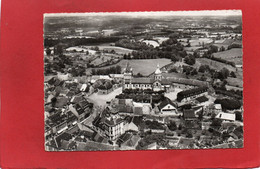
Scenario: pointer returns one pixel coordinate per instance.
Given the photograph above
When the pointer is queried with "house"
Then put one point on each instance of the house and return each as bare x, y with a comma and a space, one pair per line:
117, 78
94, 78
189, 114
226, 116
192, 93
61, 102
62, 140
202, 99
84, 87
156, 83
151, 146
128, 140
104, 86
80, 110
168, 108
125, 106
109, 124
218, 108
141, 108
77, 99
198, 110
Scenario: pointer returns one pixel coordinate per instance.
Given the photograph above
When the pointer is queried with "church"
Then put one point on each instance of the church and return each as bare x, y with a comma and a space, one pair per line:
155, 83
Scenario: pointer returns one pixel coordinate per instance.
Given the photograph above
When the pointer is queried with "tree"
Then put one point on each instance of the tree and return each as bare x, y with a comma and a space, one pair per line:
48, 51
202, 68
180, 127
222, 48
225, 72
213, 49
139, 75
172, 126
216, 123
96, 48
228, 104
190, 60
232, 74
189, 134
194, 72
58, 49
239, 115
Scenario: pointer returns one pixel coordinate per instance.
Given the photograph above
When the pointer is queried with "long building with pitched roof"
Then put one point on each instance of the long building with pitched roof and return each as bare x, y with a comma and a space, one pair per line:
156, 83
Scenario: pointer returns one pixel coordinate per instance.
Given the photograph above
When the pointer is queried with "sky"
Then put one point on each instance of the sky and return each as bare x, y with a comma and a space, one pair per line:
157, 14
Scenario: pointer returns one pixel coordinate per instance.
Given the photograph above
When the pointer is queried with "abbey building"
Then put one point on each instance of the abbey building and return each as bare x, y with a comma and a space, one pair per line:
156, 82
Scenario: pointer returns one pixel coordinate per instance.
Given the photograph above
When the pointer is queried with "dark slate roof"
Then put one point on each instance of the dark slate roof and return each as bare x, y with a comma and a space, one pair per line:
78, 99
202, 99
166, 82
125, 108
193, 91
104, 119
189, 114
142, 80
104, 84
64, 136
191, 82
125, 137
165, 102
61, 102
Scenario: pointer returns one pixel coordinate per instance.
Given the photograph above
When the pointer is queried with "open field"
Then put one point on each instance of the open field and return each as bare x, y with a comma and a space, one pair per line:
235, 82
192, 48
212, 64
161, 39
80, 49
143, 66
233, 55
200, 41
151, 42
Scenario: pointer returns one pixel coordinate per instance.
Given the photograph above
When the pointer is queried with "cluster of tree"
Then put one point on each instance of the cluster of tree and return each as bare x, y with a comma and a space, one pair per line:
154, 124
222, 48
107, 71
132, 44
170, 49
149, 139
234, 45
78, 71
228, 104
80, 41
145, 54
190, 59
204, 68
48, 51
222, 61
212, 49
222, 74
144, 97
188, 70
239, 115
173, 70
231, 93
172, 126
57, 65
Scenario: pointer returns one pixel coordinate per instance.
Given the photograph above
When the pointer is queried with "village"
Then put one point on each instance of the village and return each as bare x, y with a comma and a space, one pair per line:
157, 86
